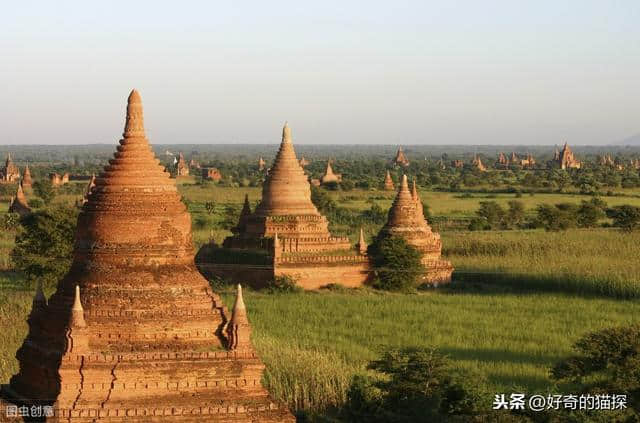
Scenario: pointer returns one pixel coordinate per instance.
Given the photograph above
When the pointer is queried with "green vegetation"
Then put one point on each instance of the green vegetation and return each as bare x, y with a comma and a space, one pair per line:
44, 244
397, 265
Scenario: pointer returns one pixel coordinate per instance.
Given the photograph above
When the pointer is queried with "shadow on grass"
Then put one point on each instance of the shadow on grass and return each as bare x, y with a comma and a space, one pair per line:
512, 283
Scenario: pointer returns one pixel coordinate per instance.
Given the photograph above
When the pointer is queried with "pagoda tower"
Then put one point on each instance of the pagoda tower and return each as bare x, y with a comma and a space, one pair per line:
133, 332
286, 208
406, 219
388, 182
329, 176
401, 159
19, 203
27, 182
10, 172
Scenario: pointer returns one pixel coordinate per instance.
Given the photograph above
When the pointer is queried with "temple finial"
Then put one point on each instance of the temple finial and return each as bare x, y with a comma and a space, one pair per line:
239, 330
362, 245
77, 312
286, 133
134, 124
404, 186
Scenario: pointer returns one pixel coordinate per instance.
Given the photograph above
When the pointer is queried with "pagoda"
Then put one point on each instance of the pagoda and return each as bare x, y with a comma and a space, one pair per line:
27, 181
502, 160
286, 209
406, 219
261, 164
329, 176
182, 169
133, 332
19, 204
477, 164
401, 159
285, 235
388, 182
10, 173
565, 159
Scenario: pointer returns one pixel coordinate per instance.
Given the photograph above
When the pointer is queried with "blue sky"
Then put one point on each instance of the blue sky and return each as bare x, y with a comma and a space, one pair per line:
447, 72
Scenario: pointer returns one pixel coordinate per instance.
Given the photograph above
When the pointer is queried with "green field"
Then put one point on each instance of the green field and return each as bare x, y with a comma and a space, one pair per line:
519, 300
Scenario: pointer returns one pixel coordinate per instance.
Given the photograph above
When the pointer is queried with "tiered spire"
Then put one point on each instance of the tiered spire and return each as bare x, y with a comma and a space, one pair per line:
239, 330
286, 190
362, 244
19, 203
26, 178
77, 312
388, 182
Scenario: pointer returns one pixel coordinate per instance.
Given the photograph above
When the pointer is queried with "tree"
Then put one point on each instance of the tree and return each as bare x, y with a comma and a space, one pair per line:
606, 362
492, 213
627, 217
590, 212
515, 213
396, 264
210, 206
557, 218
414, 385
44, 244
44, 190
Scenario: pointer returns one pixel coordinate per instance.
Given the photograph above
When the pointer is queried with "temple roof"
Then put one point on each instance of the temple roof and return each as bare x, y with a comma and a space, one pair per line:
135, 210
286, 190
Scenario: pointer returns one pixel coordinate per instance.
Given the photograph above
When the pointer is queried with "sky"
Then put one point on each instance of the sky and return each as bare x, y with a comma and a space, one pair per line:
340, 72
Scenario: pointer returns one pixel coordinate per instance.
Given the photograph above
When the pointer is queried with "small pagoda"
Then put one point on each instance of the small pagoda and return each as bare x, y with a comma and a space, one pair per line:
182, 168
329, 175
133, 332
406, 219
19, 204
27, 181
285, 235
388, 182
400, 159
10, 172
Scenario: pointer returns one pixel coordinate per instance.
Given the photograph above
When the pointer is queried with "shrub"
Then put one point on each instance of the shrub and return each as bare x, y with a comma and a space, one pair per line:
412, 385
396, 264
283, 284
44, 244
492, 213
44, 190
10, 221
627, 217
607, 361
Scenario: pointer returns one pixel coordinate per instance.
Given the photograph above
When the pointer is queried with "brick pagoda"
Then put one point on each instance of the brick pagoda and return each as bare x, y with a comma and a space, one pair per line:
133, 332
406, 219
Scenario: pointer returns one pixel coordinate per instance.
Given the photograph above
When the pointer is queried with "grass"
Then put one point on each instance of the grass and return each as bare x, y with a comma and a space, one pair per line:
519, 301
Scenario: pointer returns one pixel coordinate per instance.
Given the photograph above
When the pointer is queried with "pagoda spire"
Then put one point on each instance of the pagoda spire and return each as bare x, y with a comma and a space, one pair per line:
362, 244
239, 329
134, 124
77, 312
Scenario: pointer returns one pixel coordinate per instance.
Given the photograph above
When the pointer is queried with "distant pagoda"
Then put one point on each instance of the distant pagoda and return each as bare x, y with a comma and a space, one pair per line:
565, 158
27, 182
406, 219
477, 164
19, 204
133, 331
182, 168
388, 182
401, 159
286, 209
10, 172
329, 176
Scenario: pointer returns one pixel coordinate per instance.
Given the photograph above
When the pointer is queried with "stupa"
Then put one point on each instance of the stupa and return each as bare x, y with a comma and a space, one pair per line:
388, 182
10, 173
27, 181
401, 159
406, 219
502, 160
477, 164
19, 203
329, 176
304, 162
305, 249
565, 159
133, 332
182, 169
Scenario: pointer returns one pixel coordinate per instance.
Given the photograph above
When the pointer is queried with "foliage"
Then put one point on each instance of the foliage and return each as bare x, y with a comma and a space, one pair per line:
36, 203
607, 362
283, 284
10, 221
413, 385
627, 217
210, 206
44, 245
396, 264
43, 189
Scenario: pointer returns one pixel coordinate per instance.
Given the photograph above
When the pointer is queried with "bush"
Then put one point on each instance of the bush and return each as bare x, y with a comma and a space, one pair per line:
283, 284
626, 217
413, 385
10, 221
607, 362
44, 190
396, 264
44, 244
36, 203
492, 214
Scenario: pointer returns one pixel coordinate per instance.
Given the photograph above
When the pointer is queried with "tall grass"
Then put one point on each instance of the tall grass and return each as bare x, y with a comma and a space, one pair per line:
595, 262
